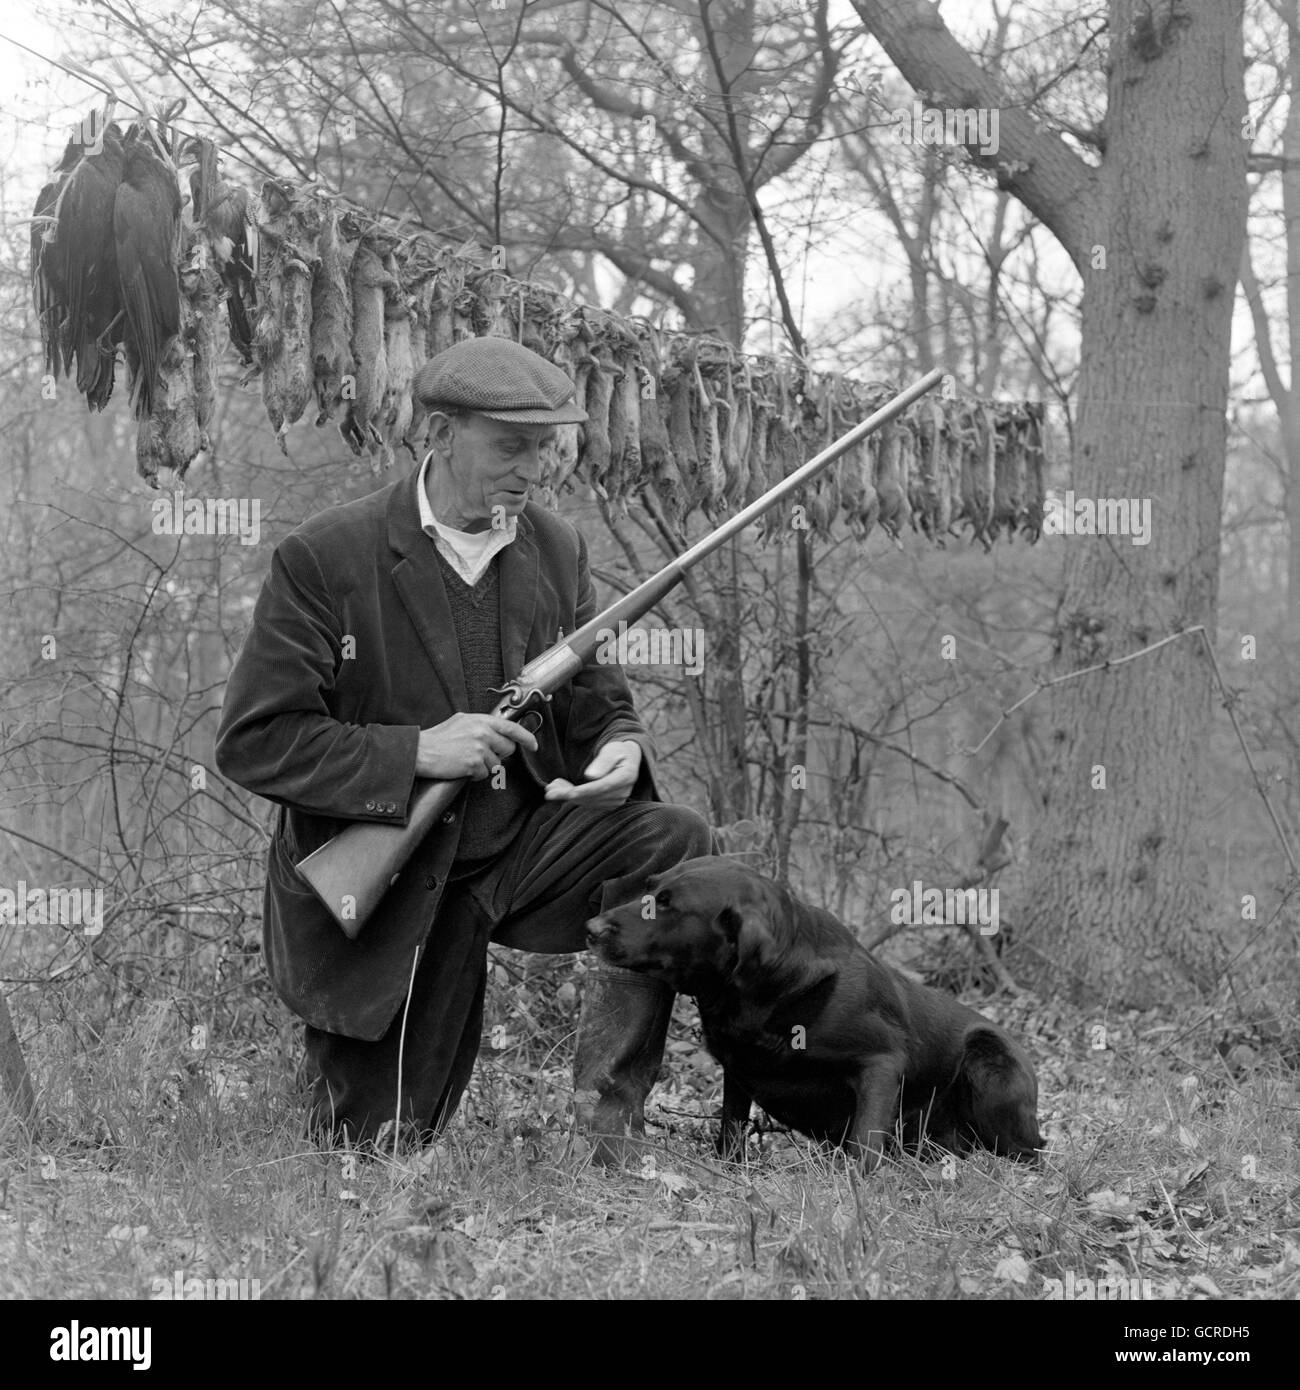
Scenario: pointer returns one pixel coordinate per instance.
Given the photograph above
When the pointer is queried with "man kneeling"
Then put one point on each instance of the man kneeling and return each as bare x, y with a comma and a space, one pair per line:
379, 643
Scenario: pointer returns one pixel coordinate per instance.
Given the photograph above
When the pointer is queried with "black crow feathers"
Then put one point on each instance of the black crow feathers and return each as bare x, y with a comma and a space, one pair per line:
146, 229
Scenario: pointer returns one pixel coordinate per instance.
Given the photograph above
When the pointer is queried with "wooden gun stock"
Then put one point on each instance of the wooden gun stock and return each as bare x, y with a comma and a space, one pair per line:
351, 872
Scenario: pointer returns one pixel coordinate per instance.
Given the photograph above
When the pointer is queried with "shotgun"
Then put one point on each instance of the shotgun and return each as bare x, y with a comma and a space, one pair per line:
353, 871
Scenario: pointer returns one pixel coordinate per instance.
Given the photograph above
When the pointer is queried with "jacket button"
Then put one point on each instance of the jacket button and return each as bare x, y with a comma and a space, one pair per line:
370, 805
449, 818
431, 881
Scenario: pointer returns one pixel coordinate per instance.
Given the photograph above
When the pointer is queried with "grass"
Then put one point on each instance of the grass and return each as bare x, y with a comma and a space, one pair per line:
1167, 1165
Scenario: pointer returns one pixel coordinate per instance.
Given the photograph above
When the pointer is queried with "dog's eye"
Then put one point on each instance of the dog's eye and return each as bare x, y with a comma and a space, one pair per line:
663, 901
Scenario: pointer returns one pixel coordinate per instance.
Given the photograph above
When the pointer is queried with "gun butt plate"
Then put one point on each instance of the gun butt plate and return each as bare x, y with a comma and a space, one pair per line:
350, 900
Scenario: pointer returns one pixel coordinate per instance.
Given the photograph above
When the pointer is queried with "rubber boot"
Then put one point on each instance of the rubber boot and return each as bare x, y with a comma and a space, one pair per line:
621, 1033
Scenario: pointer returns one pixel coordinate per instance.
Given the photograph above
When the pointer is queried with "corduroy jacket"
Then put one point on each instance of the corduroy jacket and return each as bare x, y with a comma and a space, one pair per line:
351, 652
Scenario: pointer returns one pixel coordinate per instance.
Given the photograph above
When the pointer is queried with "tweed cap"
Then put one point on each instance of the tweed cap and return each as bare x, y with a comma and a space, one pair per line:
501, 379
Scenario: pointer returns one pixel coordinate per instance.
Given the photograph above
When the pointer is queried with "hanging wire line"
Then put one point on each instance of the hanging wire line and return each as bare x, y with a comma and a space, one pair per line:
404, 226
399, 226
85, 75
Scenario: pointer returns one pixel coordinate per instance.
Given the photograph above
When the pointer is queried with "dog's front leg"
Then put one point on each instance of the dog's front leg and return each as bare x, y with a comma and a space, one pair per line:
736, 1102
876, 1088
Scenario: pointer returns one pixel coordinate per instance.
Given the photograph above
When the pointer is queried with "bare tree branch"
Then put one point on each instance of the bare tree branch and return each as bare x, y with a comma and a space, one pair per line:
1037, 167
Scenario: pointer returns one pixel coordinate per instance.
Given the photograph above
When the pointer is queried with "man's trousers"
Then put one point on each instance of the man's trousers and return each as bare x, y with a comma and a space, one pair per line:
568, 864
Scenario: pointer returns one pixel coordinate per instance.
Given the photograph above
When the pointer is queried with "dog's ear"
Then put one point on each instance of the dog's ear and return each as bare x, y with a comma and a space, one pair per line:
1001, 1092
730, 920
764, 961
747, 930
992, 1063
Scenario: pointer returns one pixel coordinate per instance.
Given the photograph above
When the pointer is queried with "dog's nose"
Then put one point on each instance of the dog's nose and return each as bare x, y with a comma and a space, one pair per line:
598, 929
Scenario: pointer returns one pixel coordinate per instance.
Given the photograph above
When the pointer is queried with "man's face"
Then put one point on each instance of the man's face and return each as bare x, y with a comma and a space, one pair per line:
489, 465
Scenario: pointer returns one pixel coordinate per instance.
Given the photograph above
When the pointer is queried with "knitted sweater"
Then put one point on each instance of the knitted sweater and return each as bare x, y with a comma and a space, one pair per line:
492, 815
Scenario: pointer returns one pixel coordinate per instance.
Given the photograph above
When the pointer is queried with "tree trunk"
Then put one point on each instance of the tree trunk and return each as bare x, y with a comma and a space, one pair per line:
1288, 405
1116, 904
719, 285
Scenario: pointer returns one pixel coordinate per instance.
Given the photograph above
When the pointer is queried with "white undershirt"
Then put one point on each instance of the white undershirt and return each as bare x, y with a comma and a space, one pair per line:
468, 552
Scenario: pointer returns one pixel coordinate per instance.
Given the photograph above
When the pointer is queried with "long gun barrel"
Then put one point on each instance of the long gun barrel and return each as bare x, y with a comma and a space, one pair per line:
353, 871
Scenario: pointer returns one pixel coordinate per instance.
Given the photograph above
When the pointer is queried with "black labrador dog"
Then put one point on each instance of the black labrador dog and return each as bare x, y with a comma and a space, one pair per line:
823, 1036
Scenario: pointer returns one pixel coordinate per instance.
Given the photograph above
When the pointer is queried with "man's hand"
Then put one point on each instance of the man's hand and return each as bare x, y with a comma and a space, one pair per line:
611, 775
469, 745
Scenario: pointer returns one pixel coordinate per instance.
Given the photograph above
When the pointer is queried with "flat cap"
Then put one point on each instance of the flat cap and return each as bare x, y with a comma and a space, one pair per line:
501, 379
